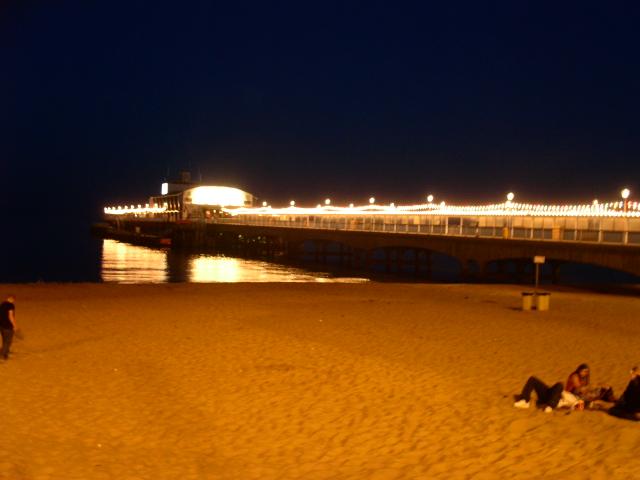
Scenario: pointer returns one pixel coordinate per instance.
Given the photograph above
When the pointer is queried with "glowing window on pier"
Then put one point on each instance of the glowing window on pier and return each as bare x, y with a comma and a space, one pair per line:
223, 196
164, 189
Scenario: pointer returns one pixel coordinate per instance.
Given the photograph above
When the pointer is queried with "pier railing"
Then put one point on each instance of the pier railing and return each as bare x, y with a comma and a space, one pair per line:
563, 229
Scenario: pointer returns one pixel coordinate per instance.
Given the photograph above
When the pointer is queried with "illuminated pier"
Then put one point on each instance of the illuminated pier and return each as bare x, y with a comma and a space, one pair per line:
611, 222
599, 233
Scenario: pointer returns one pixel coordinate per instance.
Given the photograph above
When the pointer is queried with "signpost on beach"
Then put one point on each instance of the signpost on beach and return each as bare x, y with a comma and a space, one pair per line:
537, 260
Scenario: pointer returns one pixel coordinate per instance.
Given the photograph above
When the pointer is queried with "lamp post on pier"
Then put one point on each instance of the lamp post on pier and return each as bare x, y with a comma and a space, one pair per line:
510, 197
625, 196
625, 199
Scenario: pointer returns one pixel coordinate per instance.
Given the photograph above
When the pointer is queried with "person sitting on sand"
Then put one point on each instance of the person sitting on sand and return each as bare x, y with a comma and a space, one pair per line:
628, 406
578, 384
549, 397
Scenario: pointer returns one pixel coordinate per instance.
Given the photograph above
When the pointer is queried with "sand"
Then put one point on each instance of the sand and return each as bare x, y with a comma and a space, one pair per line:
307, 381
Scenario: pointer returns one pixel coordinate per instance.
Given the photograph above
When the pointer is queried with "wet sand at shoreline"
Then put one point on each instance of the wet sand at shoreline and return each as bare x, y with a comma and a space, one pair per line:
309, 381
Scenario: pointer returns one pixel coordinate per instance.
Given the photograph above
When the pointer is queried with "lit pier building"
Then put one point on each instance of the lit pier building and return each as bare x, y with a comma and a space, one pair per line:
184, 201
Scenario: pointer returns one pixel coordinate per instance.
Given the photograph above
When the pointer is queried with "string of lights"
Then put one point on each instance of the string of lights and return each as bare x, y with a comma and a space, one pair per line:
611, 209
509, 208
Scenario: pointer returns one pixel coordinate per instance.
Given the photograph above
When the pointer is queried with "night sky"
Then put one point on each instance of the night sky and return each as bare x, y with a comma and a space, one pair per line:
304, 100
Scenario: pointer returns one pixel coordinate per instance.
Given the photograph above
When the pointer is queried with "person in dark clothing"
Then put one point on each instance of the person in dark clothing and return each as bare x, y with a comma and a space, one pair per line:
548, 396
628, 406
7, 324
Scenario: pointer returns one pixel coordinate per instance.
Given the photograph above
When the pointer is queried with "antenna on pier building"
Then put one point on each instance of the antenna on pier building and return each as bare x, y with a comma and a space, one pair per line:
185, 176
183, 182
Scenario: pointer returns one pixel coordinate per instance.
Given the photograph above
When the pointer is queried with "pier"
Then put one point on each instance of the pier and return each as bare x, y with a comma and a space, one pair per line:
482, 239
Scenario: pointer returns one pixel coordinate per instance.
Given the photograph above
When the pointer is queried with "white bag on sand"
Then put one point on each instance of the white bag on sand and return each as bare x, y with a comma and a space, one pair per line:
568, 400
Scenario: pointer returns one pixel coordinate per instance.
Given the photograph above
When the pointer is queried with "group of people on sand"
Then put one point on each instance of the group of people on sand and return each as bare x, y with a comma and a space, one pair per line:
578, 393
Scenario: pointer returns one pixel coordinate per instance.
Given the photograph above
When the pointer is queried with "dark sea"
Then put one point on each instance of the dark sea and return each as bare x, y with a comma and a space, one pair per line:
66, 252
103, 260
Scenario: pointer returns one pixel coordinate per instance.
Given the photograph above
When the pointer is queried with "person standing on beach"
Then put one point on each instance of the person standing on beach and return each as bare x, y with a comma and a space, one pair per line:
7, 324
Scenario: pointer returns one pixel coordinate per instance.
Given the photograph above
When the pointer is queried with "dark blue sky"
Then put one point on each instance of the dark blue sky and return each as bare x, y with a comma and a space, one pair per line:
304, 100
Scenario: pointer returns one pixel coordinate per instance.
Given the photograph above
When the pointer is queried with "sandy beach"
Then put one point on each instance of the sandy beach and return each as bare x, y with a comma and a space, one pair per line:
309, 381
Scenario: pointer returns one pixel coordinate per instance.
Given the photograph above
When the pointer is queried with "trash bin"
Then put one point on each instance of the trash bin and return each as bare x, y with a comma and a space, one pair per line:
527, 300
542, 302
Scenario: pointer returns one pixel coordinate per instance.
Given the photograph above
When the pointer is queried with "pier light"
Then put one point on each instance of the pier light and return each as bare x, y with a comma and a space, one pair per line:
625, 195
595, 202
392, 205
264, 204
351, 205
430, 198
327, 201
372, 200
292, 203
318, 206
510, 196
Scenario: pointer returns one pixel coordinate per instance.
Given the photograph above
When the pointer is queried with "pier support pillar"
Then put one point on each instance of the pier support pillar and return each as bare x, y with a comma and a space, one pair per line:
399, 259
483, 270
555, 272
521, 265
464, 270
428, 262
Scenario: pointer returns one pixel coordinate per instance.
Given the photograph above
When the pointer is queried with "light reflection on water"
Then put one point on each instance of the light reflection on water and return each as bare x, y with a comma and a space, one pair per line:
125, 263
